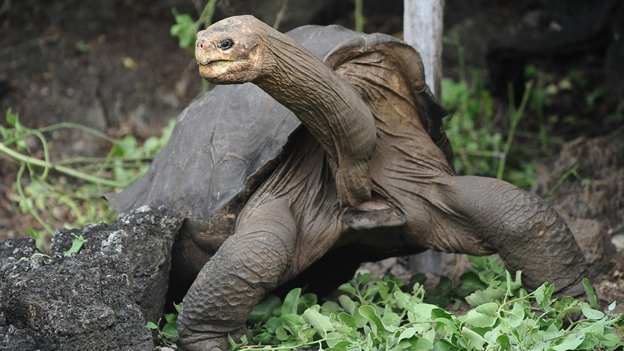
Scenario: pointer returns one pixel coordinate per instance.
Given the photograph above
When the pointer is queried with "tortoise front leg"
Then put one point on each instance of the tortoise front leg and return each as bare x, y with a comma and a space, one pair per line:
247, 266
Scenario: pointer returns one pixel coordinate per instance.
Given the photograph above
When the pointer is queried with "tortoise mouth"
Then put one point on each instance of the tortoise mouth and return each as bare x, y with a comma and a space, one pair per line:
214, 68
215, 63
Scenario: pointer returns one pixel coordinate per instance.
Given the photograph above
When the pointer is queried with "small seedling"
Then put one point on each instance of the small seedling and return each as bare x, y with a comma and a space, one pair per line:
76, 245
36, 254
169, 333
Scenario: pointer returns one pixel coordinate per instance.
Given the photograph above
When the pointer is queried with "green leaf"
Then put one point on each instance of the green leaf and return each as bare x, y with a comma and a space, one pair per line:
476, 319
306, 334
470, 283
407, 333
426, 341
185, 29
178, 306
503, 342
390, 318
170, 331
517, 283
360, 321
264, 310
281, 335
363, 276
587, 344
476, 340
329, 307
171, 317
377, 326
441, 294
11, 118
233, 343
419, 278
591, 294
306, 301
570, 342
346, 303
348, 288
403, 299
370, 292
262, 338
516, 316
490, 294
336, 340
589, 312
291, 302
347, 319
543, 295
292, 323
152, 325
273, 323
76, 245
445, 326
488, 309
445, 345
440, 313
424, 310
322, 324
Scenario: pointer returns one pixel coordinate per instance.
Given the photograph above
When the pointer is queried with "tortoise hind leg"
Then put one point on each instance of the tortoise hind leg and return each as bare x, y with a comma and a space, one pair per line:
248, 265
477, 215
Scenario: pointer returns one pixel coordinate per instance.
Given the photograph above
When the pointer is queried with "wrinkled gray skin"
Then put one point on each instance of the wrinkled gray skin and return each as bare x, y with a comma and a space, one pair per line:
295, 216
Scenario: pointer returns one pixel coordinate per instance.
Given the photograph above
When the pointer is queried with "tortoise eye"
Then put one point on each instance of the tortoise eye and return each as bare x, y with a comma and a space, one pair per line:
226, 44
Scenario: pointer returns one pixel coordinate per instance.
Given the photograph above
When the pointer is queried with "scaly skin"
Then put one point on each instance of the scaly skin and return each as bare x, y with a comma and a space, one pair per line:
294, 218
271, 60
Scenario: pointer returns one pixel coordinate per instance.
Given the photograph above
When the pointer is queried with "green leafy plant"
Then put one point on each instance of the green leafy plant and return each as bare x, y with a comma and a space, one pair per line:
480, 148
186, 28
169, 332
76, 245
371, 314
43, 186
383, 314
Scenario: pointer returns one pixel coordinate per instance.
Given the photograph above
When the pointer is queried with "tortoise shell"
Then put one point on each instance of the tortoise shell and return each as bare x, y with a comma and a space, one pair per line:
226, 142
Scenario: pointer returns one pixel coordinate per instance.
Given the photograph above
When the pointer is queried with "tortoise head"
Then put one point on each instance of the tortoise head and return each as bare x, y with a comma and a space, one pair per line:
232, 51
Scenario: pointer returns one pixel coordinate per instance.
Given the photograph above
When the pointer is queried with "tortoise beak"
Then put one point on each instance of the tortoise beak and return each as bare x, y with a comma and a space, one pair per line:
204, 49
210, 61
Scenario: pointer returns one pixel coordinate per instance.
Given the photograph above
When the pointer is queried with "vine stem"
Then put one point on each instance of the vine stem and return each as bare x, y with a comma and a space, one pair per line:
61, 169
516, 115
22, 195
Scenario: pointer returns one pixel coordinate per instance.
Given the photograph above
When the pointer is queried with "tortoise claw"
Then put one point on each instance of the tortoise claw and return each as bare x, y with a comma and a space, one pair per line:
206, 341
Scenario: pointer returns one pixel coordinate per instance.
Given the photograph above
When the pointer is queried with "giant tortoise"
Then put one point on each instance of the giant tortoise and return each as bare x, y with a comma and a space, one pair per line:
365, 176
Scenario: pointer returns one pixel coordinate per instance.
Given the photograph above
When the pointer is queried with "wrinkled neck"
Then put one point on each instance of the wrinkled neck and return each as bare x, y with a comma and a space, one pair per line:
305, 85
328, 107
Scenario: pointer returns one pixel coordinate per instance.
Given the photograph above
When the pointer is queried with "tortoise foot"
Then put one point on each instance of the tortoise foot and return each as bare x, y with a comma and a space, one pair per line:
206, 341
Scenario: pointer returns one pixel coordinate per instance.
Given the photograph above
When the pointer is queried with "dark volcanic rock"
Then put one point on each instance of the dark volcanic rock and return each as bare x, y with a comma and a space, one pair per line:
97, 299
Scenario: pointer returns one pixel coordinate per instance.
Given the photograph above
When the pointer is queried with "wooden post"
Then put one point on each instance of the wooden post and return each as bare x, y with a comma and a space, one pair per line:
422, 28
